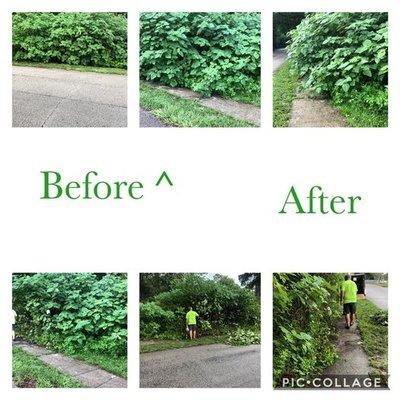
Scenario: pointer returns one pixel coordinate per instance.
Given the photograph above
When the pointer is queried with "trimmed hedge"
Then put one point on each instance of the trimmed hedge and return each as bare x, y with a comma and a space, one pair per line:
88, 39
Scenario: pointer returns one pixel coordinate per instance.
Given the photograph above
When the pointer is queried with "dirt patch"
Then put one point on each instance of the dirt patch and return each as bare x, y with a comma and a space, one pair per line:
315, 113
27, 383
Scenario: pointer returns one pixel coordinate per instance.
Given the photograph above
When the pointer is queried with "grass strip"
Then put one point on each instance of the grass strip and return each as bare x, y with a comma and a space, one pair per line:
29, 371
157, 345
176, 111
80, 68
284, 92
117, 365
374, 336
360, 116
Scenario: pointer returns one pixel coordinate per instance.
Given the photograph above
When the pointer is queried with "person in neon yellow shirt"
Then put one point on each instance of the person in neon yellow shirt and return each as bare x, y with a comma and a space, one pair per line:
191, 323
348, 296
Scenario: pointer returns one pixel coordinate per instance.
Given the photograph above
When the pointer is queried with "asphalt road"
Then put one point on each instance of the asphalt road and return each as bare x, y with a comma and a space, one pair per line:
58, 98
378, 295
279, 57
148, 120
215, 365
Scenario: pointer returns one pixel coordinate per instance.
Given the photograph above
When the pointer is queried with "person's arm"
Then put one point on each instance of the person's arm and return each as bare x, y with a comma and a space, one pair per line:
341, 296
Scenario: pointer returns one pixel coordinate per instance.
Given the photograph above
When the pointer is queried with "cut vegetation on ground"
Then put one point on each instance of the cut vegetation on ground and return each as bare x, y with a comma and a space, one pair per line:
212, 54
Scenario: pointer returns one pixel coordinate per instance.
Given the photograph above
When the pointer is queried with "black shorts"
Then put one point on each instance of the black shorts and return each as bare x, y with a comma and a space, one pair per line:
192, 327
349, 308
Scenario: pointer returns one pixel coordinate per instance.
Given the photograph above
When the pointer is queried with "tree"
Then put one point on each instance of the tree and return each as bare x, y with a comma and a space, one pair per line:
283, 23
251, 280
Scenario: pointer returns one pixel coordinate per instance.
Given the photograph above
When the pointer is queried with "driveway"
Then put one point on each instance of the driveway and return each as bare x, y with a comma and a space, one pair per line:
377, 294
215, 365
279, 57
57, 98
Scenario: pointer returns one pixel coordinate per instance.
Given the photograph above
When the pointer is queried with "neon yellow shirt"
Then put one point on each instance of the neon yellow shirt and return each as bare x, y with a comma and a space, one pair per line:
191, 317
349, 288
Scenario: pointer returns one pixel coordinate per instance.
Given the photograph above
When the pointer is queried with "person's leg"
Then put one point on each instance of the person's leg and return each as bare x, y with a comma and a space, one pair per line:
353, 314
347, 315
190, 333
347, 320
194, 332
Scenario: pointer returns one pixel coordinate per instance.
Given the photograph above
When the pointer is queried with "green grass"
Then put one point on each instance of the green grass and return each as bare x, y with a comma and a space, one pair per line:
359, 116
157, 345
29, 371
176, 111
117, 365
250, 97
284, 91
374, 336
81, 68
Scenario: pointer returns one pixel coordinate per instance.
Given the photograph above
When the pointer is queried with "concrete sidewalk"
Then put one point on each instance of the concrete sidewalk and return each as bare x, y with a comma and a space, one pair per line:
58, 98
89, 375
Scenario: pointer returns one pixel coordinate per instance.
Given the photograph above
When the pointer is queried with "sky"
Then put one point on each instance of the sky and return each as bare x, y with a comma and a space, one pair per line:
233, 276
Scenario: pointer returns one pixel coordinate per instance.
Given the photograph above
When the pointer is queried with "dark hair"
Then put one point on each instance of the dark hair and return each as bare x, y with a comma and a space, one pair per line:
347, 277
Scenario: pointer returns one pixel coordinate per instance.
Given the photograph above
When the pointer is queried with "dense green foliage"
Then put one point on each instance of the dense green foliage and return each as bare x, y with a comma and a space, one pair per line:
341, 51
367, 107
283, 23
345, 56
285, 83
206, 52
90, 39
177, 111
305, 311
73, 312
30, 372
223, 306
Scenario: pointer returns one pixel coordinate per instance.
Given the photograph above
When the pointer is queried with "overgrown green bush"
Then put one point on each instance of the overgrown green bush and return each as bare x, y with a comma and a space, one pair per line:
206, 52
73, 312
305, 311
89, 39
223, 306
340, 51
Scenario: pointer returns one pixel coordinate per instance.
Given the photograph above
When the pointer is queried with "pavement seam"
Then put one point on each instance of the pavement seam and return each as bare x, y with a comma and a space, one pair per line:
72, 99
52, 112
